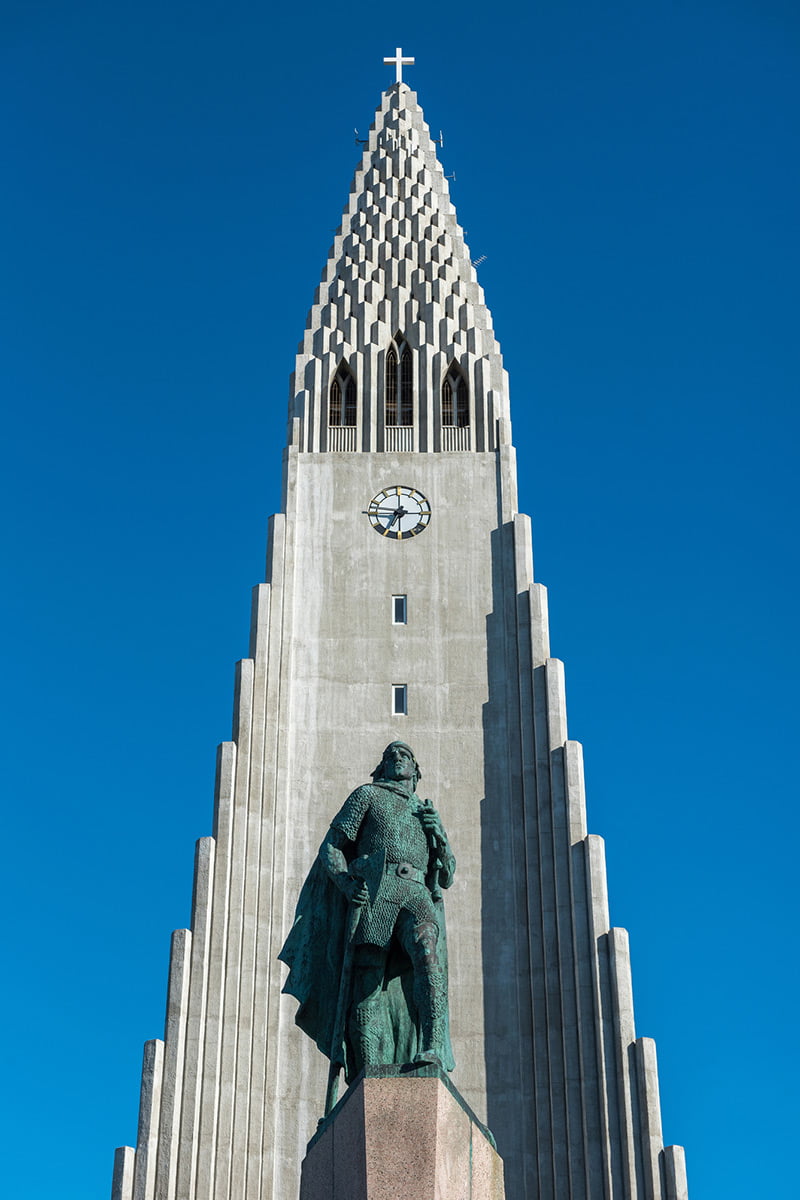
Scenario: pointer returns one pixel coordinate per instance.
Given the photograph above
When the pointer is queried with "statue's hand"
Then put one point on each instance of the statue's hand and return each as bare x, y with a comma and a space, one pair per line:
357, 892
354, 889
432, 824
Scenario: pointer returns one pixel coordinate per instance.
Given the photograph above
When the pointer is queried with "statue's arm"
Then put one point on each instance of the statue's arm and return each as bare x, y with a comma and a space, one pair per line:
444, 859
332, 854
334, 860
447, 863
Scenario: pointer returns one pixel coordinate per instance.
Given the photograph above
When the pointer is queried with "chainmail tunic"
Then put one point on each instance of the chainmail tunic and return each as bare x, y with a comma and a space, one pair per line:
384, 818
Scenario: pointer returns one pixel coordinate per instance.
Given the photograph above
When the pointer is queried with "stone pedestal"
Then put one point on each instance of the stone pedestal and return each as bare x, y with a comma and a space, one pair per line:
396, 1134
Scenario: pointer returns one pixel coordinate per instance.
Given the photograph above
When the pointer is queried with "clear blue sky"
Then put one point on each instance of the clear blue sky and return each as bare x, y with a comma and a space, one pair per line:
173, 174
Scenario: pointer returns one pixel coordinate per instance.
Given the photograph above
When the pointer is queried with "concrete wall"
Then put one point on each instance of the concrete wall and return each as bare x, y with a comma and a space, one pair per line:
541, 1005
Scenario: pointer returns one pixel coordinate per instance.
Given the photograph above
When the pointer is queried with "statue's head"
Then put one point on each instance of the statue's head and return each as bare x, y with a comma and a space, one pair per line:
398, 763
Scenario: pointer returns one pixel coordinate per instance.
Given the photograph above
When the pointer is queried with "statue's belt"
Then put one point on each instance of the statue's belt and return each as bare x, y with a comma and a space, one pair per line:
405, 871
371, 868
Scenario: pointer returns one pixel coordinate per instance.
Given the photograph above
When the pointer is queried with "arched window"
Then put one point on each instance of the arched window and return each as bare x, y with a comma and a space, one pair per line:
455, 399
342, 405
399, 386
406, 389
391, 387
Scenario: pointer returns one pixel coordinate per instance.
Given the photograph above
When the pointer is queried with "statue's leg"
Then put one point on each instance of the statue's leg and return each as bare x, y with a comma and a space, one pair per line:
420, 940
368, 1024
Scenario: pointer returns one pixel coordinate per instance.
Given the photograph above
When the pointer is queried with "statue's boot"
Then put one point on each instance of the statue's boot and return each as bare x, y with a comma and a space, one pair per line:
366, 1026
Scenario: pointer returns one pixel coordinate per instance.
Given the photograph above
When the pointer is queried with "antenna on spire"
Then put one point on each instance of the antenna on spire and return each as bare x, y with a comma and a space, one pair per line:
439, 141
453, 177
476, 262
360, 141
399, 62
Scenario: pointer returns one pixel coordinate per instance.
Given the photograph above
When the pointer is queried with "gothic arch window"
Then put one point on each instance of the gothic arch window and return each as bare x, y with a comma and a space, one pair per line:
342, 403
399, 385
455, 398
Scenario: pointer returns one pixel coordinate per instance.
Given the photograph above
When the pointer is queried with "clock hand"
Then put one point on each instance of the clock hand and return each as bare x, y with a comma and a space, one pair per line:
397, 513
405, 519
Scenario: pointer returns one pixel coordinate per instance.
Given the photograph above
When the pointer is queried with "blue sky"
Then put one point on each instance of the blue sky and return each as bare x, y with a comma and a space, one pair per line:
173, 174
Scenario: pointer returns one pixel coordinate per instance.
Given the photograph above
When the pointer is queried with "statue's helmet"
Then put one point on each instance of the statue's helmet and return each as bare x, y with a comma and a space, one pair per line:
378, 772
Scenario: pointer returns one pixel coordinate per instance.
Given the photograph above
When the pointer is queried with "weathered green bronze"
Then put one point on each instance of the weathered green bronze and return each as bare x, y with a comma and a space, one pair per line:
368, 949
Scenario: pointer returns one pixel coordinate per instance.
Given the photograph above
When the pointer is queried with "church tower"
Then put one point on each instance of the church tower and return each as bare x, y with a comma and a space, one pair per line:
400, 602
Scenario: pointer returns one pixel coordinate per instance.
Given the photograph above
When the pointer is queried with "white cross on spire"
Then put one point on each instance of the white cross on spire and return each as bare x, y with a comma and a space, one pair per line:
399, 63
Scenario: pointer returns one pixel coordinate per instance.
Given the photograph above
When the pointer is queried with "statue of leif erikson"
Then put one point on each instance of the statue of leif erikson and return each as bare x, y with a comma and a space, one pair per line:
368, 951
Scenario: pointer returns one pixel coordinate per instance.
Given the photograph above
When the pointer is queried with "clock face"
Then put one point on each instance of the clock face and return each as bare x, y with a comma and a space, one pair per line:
399, 512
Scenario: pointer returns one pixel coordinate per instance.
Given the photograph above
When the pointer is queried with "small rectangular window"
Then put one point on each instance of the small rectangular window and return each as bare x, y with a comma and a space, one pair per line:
399, 700
399, 610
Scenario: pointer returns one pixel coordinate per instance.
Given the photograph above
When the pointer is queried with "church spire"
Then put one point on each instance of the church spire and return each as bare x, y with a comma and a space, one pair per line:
399, 281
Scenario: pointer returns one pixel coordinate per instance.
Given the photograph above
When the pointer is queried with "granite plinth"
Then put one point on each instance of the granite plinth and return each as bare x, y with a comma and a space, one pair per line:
396, 1134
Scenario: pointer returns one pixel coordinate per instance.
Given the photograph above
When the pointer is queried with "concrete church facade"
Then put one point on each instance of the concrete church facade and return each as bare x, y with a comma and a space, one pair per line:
429, 627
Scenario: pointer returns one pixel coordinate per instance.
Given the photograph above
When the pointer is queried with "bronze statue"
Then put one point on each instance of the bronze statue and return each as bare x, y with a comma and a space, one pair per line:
368, 951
